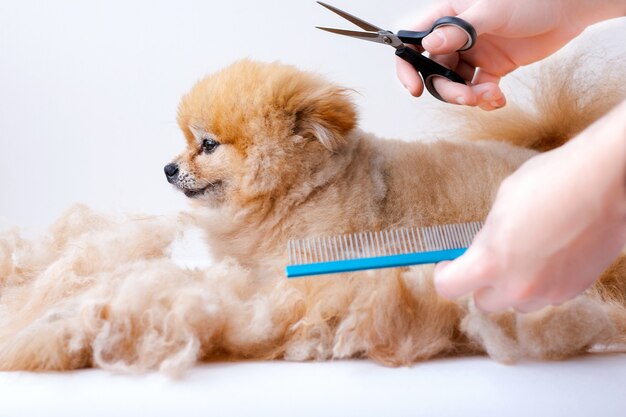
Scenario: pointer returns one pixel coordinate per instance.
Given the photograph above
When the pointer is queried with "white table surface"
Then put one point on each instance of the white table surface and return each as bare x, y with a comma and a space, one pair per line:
592, 385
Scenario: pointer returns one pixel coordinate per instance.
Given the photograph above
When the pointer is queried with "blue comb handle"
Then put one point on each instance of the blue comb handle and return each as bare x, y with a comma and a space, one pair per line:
389, 261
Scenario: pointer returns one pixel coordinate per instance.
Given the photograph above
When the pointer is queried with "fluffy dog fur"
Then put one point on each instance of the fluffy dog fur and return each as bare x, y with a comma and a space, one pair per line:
290, 163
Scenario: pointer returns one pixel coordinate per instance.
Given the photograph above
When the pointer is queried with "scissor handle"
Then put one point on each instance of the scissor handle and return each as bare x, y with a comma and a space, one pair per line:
415, 38
429, 69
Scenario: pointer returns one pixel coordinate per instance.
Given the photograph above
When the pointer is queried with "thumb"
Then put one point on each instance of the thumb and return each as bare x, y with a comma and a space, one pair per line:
466, 274
448, 39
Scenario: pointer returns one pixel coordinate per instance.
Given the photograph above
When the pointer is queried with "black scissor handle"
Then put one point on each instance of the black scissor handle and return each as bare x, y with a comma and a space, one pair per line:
415, 38
429, 69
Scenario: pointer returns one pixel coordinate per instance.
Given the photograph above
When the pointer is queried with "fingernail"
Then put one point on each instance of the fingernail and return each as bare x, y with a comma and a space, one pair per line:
495, 104
409, 88
413, 90
488, 96
434, 40
461, 100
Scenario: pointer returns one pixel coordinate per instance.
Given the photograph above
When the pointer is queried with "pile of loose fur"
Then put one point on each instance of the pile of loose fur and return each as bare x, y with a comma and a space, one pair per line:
102, 291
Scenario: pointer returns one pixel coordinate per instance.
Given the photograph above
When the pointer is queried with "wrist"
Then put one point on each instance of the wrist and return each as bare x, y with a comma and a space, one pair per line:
584, 13
600, 152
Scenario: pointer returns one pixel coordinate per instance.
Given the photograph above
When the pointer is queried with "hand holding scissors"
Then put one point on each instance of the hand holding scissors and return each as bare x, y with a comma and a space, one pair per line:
428, 69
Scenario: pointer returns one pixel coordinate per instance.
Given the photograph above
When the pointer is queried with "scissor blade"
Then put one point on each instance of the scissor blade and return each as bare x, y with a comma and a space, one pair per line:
368, 36
359, 22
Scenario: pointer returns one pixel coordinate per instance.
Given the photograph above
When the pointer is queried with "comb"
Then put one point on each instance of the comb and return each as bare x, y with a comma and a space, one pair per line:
380, 249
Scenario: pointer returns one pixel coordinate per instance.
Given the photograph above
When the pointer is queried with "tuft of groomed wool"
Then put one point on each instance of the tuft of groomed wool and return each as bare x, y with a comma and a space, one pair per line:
103, 291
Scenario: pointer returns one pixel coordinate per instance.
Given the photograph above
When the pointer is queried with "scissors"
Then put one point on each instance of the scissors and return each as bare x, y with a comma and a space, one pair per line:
427, 68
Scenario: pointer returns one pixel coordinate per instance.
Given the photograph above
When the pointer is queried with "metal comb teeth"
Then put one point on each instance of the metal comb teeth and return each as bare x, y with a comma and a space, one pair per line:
389, 245
382, 243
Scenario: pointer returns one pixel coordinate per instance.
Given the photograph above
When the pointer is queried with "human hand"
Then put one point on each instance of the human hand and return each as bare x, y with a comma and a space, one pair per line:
510, 34
556, 225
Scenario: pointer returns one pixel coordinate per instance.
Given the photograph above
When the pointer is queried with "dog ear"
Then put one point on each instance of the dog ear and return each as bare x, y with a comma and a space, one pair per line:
326, 115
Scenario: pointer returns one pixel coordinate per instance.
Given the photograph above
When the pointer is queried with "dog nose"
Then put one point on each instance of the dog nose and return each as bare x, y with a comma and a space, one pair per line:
171, 170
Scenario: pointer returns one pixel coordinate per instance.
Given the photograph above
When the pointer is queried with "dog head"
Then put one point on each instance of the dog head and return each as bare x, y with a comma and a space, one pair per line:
255, 130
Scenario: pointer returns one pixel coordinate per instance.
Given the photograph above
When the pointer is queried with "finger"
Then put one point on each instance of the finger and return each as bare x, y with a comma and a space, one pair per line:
441, 266
445, 40
455, 93
428, 18
448, 60
435, 39
561, 299
491, 57
563, 295
466, 274
483, 17
482, 76
465, 70
488, 106
491, 300
409, 77
531, 305
489, 96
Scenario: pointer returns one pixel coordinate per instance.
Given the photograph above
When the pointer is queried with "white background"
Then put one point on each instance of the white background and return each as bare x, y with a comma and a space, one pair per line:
89, 89
88, 97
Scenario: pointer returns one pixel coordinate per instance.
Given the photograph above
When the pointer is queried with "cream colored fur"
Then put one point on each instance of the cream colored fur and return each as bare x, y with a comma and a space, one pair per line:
100, 291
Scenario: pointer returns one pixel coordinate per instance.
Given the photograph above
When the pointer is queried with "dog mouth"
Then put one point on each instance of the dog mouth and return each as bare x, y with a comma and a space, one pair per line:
197, 192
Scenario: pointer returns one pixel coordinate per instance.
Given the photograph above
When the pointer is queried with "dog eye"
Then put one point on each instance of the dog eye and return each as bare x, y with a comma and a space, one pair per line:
209, 145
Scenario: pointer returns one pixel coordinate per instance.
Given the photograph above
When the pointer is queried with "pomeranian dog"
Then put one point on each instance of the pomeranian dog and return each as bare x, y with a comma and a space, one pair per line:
274, 153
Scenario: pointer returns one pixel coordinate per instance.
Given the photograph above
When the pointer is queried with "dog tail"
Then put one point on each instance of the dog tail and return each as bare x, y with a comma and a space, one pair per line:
562, 101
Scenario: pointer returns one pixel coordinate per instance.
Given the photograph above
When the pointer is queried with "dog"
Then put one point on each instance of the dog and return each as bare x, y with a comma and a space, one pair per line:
274, 153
